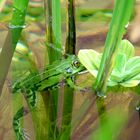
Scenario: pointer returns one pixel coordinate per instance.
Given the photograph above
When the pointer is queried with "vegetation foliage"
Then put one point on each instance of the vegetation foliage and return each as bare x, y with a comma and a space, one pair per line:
49, 93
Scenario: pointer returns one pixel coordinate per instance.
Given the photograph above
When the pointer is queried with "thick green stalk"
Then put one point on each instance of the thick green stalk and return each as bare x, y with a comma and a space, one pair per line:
68, 91
15, 27
121, 16
53, 38
53, 44
49, 42
56, 27
71, 38
56, 17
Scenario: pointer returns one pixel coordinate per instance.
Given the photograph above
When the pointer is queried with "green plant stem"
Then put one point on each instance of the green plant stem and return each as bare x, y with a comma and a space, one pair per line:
68, 91
120, 19
53, 24
56, 14
102, 112
15, 28
71, 38
53, 44
49, 59
17, 24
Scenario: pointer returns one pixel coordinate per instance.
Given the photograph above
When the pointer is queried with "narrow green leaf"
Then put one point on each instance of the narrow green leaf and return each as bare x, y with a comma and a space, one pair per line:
121, 15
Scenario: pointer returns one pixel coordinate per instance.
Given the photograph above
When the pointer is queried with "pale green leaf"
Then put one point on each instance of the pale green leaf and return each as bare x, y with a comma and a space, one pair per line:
132, 62
126, 69
127, 48
90, 59
133, 72
111, 83
117, 76
130, 83
137, 77
120, 62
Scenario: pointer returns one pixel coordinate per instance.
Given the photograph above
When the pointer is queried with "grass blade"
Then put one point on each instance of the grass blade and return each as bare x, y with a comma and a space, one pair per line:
120, 19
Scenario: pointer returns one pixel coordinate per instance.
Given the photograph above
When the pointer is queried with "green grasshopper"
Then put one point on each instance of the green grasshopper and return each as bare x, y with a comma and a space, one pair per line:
59, 71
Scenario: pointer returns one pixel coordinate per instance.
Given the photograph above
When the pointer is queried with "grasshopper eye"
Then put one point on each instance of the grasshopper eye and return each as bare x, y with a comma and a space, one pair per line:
76, 63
